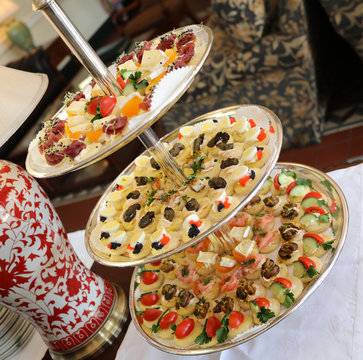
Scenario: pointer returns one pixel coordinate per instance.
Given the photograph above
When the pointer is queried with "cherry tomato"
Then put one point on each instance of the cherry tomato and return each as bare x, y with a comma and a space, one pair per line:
262, 302
140, 319
151, 314
236, 318
149, 277
313, 194
317, 237
92, 105
213, 324
156, 263
314, 209
290, 187
184, 328
307, 262
285, 282
107, 105
150, 299
169, 318
276, 182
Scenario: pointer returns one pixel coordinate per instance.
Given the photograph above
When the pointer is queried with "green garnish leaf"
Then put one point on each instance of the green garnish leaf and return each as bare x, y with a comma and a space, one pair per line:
136, 82
143, 270
203, 338
96, 117
301, 181
260, 214
222, 332
156, 327
265, 314
335, 214
150, 179
150, 197
138, 312
324, 218
321, 203
327, 184
289, 299
311, 272
136, 284
328, 245
207, 280
288, 173
185, 270
197, 165
249, 262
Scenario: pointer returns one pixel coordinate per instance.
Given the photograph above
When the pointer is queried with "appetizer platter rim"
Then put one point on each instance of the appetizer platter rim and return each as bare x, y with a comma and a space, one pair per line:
171, 137
151, 116
307, 292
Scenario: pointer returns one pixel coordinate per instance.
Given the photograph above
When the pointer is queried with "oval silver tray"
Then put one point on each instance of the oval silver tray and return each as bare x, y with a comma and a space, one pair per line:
262, 116
43, 170
322, 183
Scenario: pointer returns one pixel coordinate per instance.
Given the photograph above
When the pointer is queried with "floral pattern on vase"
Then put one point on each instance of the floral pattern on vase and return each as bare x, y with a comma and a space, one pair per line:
41, 278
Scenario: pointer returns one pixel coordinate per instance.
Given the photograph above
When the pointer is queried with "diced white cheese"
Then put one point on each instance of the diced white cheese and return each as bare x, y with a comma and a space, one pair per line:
241, 233
98, 124
227, 262
76, 107
246, 247
153, 58
128, 65
207, 257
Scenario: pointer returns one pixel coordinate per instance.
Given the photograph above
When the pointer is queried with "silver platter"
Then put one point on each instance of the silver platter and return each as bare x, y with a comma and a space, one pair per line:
322, 183
265, 118
43, 170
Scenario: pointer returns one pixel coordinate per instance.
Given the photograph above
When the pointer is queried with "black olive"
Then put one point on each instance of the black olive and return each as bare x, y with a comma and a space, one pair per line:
137, 248
217, 183
157, 245
197, 142
229, 162
114, 245
220, 207
105, 235
154, 164
221, 137
146, 219
141, 180
193, 231
192, 205
169, 291
224, 146
176, 149
133, 195
169, 214
103, 218
130, 213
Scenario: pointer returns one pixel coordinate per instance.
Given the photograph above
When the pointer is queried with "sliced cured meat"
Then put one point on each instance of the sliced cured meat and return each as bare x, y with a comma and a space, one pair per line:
140, 53
146, 103
126, 58
186, 53
187, 37
53, 158
74, 149
115, 126
166, 43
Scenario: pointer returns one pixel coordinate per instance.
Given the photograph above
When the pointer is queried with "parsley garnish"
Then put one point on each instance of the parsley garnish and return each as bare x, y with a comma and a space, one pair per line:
324, 218
156, 327
222, 332
260, 214
166, 196
138, 312
150, 197
185, 270
136, 82
328, 245
327, 184
311, 272
301, 181
203, 338
289, 298
265, 314
197, 165
249, 262
150, 179
288, 173
321, 203
207, 280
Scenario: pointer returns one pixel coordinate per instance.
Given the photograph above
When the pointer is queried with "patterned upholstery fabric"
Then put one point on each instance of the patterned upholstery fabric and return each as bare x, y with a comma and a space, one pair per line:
260, 55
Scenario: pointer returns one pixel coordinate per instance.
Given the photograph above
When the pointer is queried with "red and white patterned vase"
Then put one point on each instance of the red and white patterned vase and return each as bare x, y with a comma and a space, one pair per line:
41, 278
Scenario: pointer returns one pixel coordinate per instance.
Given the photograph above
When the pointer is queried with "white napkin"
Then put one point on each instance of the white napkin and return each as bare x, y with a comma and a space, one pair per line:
329, 325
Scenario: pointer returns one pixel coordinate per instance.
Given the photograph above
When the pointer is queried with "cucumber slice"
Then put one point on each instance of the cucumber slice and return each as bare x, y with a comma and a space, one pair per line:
126, 74
279, 291
253, 307
310, 245
299, 190
309, 219
309, 202
284, 180
128, 89
299, 269
266, 186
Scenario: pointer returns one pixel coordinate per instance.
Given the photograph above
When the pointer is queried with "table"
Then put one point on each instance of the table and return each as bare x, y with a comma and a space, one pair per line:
328, 325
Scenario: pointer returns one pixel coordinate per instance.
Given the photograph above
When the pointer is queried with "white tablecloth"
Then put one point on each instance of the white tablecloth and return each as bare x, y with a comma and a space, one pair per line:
329, 325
